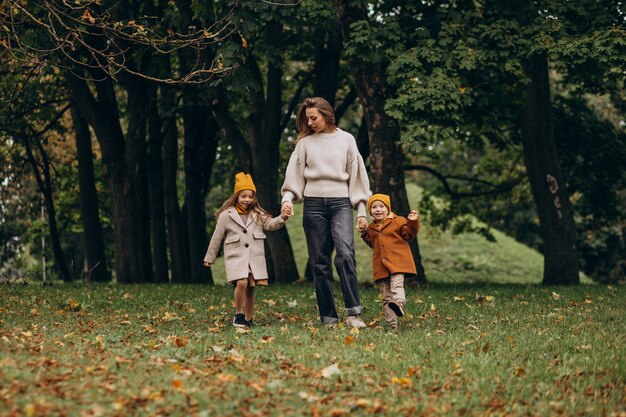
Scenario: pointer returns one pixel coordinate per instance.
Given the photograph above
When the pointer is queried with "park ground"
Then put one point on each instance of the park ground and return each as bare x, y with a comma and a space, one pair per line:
146, 350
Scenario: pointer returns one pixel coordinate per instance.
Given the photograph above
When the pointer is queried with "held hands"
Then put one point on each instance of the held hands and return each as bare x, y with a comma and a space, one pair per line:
361, 224
207, 264
286, 210
414, 215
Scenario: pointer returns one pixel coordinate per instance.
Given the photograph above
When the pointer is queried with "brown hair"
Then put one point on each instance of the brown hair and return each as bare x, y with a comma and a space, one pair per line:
322, 106
254, 206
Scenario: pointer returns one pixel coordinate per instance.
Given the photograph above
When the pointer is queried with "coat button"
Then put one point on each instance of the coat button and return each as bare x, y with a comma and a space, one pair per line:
246, 245
245, 230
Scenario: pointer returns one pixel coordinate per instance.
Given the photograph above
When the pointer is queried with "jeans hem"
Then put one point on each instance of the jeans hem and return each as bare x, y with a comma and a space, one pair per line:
354, 311
329, 320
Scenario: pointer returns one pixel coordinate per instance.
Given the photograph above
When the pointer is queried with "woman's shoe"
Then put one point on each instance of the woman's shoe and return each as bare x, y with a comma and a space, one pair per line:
355, 321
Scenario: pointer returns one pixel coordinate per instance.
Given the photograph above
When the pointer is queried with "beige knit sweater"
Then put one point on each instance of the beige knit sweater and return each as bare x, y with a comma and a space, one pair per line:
327, 165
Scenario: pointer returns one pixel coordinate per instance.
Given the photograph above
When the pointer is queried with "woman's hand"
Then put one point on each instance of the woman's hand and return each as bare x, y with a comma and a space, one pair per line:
285, 212
414, 215
207, 264
287, 208
361, 223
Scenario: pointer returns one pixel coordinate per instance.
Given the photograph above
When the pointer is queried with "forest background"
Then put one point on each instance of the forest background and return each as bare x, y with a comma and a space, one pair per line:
123, 124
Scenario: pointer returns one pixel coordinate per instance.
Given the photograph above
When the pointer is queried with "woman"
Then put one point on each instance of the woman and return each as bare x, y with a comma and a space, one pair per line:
327, 171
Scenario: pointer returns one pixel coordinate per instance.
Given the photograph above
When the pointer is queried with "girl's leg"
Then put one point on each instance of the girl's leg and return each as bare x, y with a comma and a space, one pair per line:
240, 294
249, 303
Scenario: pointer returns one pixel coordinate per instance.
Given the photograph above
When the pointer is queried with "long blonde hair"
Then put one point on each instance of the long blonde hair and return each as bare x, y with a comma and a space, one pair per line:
254, 206
323, 106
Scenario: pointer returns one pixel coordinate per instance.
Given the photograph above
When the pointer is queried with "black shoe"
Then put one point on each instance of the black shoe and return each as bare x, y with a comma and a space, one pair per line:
249, 323
397, 308
239, 320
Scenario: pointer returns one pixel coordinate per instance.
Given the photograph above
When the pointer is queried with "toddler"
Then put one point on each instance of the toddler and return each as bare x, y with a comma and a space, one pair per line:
388, 235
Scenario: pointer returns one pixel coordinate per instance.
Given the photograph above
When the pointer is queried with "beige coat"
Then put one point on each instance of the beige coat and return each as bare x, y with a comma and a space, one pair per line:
243, 243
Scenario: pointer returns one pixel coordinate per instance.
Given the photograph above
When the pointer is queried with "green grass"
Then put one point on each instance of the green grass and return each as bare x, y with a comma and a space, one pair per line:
465, 258
170, 350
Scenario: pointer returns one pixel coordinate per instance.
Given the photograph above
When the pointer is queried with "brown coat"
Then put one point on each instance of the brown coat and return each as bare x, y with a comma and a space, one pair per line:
392, 254
243, 243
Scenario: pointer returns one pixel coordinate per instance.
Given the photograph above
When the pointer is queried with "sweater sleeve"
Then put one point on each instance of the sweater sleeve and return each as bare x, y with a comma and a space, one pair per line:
216, 241
359, 183
293, 186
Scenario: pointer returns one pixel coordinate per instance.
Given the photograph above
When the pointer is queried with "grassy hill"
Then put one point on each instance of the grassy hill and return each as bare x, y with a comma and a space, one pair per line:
465, 258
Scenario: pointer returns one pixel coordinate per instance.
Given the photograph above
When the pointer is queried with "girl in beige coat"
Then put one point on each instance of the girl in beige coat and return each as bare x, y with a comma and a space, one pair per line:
241, 224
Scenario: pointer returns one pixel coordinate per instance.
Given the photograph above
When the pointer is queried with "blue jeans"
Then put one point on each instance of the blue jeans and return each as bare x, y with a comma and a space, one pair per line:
327, 220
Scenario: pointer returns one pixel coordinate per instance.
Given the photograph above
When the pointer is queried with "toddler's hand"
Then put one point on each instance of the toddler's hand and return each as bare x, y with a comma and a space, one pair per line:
361, 224
207, 264
414, 215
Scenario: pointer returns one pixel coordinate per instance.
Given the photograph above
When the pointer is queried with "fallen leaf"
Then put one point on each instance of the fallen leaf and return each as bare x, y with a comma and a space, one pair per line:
348, 340
225, 377
100, 342
330, 370
402, 381
170, 316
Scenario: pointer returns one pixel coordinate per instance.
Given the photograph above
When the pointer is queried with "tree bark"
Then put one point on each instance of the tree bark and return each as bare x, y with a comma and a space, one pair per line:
386, 157
102, 114
135, 156
201, 140
45, 186
176, 235
327, 58
155, 172
546, 179
92, 228
265, 123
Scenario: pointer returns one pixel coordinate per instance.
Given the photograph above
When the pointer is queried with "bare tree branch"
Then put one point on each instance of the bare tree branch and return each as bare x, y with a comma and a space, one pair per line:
71, 30
496, 188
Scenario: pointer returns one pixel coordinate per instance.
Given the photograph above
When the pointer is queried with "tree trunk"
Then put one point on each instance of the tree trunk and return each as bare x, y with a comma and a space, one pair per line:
546, 179
45, 186
92, 228
155, 171
201, 140
135, 155
175, 224
102, 115
265, 123
386, 157
327, 57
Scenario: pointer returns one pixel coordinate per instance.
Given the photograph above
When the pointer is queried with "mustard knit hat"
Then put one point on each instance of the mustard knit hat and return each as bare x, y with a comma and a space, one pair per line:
243, 182
384, 198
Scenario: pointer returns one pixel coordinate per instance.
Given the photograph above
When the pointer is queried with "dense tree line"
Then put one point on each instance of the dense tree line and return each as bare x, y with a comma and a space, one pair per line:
164, 101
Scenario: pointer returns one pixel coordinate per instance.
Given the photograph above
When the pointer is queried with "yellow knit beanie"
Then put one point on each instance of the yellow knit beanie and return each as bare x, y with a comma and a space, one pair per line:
243, 182
384, 198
